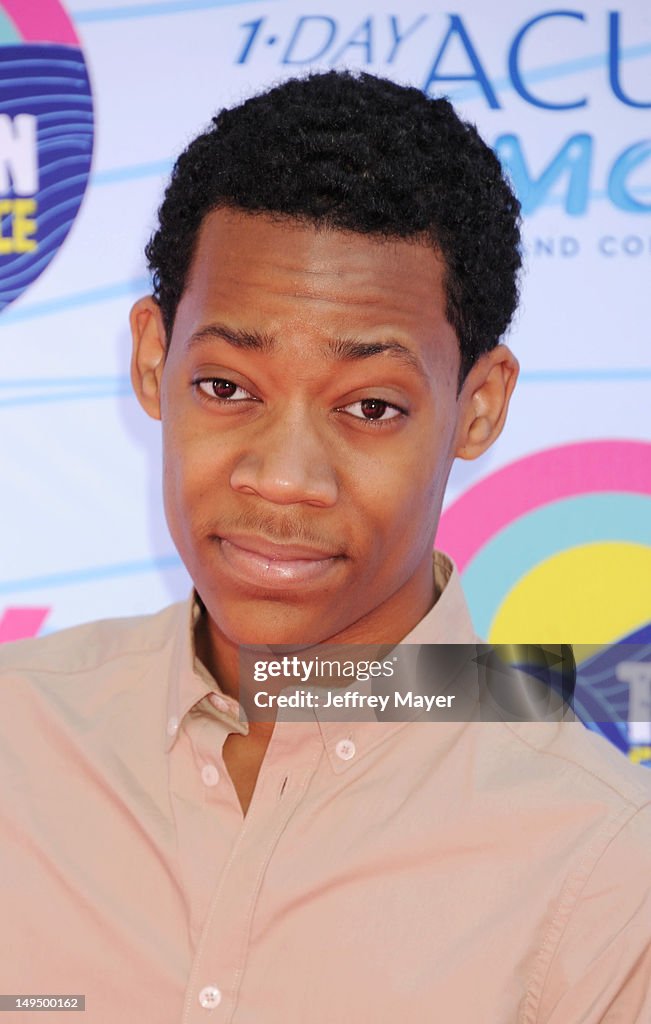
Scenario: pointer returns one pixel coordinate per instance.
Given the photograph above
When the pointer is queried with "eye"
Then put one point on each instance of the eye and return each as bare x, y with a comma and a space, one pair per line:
373, 410
221, 389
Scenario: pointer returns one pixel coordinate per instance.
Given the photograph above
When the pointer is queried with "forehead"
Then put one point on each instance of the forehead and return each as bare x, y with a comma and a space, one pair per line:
267, 271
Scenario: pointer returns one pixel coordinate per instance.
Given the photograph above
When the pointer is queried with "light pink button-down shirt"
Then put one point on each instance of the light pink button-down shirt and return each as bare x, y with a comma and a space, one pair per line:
416, 871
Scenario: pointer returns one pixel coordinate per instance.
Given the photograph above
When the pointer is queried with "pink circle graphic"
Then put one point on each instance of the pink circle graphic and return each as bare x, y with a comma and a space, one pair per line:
41, 21
585, 467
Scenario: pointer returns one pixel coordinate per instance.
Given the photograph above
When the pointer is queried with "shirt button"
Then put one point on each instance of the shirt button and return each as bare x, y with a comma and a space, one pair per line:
345, 749
172, 726
210, 997
218, 701
210, 774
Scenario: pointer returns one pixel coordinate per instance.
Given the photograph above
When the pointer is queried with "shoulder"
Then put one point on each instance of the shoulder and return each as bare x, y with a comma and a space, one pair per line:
89, 647
91, 687
587, 765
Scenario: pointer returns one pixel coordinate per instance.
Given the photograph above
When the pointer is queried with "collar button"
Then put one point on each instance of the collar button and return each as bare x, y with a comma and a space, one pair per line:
345, 749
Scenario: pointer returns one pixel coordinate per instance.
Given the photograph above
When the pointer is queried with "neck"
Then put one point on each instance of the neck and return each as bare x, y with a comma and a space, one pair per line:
387, 624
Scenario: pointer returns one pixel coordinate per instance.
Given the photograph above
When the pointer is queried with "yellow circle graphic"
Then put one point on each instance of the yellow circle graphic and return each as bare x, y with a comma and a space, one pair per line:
591, 594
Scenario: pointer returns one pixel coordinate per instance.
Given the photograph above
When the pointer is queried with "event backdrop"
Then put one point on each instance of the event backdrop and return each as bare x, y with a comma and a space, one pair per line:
552, 527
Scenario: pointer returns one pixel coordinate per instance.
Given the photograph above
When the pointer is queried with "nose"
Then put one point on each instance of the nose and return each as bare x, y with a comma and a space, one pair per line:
286, 462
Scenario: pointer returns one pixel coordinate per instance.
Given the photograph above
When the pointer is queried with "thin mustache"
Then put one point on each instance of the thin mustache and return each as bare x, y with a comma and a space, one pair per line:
277, 530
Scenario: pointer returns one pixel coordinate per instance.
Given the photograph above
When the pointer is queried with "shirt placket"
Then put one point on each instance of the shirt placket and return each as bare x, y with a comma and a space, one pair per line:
218, 969
206, 812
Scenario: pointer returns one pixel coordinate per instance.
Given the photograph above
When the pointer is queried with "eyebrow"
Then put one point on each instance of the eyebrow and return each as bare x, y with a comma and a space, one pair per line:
253, 340
341, 349
349, 349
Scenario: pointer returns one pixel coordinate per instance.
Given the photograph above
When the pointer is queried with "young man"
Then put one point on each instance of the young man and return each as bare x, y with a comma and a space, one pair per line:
334, 268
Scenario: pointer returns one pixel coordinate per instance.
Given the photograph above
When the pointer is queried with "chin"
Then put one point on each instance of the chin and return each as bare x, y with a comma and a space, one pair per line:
270, 627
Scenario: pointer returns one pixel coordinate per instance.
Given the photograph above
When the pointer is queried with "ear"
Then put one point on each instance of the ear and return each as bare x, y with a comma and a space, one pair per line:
148, 355
485, 401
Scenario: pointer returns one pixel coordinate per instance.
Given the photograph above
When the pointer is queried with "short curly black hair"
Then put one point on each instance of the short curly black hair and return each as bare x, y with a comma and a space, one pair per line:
362, 153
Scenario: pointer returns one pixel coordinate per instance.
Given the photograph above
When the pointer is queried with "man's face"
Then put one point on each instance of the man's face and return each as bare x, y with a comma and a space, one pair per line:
310, 420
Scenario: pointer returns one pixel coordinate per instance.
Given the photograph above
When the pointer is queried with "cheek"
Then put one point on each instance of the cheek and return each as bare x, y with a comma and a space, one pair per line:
187, 469
398, 498
173, 492
413, 487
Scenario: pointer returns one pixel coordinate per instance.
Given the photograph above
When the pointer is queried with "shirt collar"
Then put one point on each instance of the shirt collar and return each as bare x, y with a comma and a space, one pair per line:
190, 683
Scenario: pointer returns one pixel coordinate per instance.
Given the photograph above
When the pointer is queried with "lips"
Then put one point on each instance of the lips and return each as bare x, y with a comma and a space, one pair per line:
261, 562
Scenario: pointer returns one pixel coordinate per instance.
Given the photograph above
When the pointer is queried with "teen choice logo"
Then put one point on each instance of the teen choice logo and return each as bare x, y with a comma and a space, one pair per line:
46, 137
555, 548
